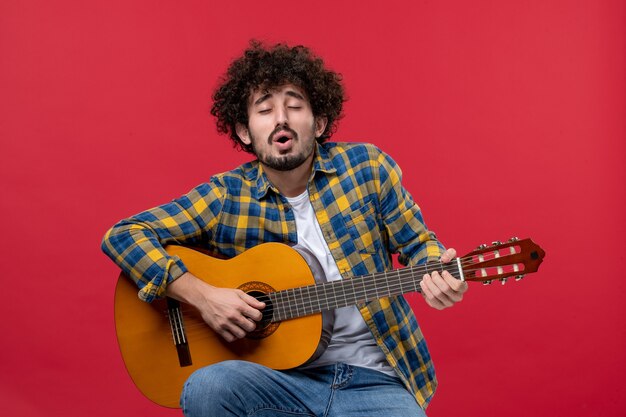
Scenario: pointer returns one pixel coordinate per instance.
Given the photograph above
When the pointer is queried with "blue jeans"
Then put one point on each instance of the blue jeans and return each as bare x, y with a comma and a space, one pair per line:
237, 388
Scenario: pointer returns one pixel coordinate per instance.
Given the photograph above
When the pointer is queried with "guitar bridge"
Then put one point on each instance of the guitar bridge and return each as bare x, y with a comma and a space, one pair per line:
177, 325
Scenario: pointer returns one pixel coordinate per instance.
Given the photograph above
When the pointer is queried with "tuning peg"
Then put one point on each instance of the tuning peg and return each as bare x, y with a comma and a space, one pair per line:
514, 239
488, 282
483, 246
503, 280
496, 243
519, 277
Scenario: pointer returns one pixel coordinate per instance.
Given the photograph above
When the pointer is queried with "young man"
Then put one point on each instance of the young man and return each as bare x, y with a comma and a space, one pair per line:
343, 202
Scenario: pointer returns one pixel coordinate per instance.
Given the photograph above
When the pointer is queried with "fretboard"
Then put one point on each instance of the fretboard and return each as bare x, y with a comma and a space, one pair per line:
303, 301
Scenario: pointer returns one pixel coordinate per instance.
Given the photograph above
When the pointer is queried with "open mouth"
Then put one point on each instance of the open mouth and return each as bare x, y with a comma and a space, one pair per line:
282, 137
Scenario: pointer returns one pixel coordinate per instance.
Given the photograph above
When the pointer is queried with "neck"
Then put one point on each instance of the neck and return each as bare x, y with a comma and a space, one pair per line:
291, 183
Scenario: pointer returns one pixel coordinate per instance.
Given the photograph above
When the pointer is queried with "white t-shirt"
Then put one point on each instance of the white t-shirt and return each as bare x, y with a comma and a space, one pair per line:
351, 341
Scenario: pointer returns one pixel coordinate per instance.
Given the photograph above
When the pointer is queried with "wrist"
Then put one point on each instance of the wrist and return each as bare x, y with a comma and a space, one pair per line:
186, 288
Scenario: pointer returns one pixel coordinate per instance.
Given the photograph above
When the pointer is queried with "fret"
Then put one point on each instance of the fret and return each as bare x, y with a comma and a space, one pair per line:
296, 301
392, 284
325, 289
358, 293
375, 288
310, 304
317, 297
353, 285
306, 301
282, 309
386, 288
302, 302
278, 304
342, 290
290, 301
332, 284
381, 291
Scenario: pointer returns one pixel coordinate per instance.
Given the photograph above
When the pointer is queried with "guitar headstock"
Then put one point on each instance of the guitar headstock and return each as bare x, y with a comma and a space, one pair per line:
500, 261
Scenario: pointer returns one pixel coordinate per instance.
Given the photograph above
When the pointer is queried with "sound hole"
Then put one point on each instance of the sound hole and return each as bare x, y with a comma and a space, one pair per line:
265, 327
268, 311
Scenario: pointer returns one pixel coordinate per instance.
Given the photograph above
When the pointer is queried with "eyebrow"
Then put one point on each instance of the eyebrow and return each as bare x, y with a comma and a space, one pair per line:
290, 93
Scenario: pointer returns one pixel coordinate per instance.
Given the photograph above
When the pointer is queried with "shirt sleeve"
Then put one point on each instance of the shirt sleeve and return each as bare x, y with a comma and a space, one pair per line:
136, 244
408, 234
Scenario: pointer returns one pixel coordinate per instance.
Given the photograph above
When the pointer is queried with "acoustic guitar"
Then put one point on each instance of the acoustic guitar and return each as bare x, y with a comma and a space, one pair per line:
163, 342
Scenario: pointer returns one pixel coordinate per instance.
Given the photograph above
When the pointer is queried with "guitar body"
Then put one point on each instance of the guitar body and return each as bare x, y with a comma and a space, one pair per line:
145, 337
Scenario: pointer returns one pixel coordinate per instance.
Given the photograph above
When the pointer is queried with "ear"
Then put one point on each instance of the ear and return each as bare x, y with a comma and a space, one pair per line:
320, 125
243, 133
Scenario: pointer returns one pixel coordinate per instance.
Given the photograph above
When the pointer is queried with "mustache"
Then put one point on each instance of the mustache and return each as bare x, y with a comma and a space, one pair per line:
281, 129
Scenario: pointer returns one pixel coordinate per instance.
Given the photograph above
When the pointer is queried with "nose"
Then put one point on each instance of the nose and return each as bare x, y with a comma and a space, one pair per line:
281, 115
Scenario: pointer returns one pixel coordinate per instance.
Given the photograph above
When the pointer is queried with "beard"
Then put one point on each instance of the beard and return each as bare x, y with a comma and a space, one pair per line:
284, 162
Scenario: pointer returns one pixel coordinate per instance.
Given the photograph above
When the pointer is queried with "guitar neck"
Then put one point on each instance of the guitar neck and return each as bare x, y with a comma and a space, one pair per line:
302, 301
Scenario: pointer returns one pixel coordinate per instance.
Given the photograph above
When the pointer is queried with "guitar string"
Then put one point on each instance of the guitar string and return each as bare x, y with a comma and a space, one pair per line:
393, 286
361, 288
200, 326
311, 308
398, 280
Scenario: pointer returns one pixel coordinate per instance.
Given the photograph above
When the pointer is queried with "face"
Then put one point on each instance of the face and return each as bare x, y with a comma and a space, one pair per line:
281, 127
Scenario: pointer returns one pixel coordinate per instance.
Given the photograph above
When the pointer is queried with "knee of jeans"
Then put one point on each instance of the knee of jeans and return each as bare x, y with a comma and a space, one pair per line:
220, 379
210, 387
211, 379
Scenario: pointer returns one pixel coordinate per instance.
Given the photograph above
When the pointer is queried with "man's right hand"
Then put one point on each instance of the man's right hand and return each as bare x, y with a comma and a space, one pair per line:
231, 313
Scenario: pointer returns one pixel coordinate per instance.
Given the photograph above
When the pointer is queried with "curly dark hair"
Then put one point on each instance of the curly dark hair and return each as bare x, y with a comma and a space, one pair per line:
264, 68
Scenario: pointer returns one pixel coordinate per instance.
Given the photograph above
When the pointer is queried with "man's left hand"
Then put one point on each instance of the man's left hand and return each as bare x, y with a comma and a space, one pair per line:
442, 290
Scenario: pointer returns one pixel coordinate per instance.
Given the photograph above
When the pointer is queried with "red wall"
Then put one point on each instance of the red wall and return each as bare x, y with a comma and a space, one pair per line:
507, 118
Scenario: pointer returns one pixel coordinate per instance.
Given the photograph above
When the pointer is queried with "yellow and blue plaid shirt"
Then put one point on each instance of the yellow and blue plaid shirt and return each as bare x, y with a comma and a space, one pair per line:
365, 215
